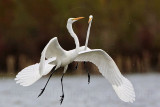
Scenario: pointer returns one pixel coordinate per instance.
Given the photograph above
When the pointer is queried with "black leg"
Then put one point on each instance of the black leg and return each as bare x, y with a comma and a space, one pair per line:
76, 66
62, 97
87, 72
42, 90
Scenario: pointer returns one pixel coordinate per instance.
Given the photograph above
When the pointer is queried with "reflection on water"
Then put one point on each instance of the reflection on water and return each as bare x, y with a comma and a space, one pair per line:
78, 93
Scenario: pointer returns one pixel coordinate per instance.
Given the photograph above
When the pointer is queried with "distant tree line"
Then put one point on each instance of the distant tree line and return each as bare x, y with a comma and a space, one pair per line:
128, 28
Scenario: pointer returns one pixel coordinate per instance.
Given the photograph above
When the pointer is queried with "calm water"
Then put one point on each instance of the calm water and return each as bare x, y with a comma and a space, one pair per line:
78, 93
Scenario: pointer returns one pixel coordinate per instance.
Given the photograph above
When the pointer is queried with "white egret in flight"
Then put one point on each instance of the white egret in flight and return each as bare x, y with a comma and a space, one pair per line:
108, 68
57, 57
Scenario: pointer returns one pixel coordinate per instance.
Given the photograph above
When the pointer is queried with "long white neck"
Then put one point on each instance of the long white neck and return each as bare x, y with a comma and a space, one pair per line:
70, 29
88, 32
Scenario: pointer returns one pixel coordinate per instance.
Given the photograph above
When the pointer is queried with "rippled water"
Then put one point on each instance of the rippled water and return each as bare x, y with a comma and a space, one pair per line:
78, 93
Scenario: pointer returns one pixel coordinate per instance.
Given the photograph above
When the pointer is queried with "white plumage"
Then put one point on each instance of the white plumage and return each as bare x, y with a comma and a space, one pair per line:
59, 57
30, 74
110, 71
56, 56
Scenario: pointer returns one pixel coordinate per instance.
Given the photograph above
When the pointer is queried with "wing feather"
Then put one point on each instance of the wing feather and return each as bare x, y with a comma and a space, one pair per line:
110, 71
30, 74
51, 50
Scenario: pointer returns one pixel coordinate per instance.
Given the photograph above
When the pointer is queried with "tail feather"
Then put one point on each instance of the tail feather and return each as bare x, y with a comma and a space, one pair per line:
125, 91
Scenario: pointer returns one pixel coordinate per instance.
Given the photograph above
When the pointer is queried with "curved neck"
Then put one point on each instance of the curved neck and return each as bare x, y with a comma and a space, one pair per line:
88, 32
70, 29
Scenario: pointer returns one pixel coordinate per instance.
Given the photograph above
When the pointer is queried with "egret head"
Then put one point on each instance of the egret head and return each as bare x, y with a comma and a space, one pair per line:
90, 18
72, 20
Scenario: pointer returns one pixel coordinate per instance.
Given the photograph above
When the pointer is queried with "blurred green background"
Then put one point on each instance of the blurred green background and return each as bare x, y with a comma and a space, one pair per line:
128, 30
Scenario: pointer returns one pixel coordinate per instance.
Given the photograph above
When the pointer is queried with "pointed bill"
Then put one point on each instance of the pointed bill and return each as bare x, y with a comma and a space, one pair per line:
89, 20
78, 18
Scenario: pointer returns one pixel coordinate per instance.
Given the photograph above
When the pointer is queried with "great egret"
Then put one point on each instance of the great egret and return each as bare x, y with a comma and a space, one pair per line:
57, 57
108, 68
100, 58
86, 43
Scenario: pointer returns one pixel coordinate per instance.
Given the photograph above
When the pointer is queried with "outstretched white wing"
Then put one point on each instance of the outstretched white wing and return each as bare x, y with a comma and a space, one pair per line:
110, 71
51, 50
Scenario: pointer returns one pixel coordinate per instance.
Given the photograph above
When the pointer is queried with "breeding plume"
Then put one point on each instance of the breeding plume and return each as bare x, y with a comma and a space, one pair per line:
58, 57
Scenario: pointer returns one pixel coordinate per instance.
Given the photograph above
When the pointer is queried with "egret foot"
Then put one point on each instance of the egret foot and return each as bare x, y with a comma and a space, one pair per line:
42, 90
62, 97
61, 100
88, 78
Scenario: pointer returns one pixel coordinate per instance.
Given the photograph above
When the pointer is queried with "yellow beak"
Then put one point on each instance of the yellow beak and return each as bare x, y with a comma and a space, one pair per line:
89, 20
78, 18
